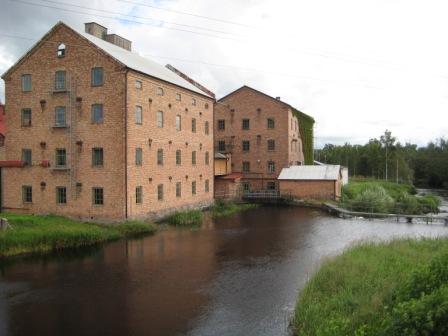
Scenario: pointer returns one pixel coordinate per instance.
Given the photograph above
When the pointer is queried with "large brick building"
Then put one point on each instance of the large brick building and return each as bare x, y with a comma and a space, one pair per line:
261, 133
95, 131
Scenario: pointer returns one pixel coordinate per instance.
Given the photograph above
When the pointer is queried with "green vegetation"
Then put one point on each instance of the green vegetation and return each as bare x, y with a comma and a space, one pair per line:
422, 166
395, 288
306, 128
40, 234
386, 197
186, 218
223, 208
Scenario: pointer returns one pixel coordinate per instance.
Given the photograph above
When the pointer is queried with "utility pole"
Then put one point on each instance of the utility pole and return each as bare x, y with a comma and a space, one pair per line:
386, 161
397, 170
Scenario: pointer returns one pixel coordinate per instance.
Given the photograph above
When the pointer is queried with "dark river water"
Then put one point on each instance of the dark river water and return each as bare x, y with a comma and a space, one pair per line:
236, 276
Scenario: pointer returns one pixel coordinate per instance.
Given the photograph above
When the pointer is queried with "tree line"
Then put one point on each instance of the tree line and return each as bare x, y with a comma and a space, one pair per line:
387, 158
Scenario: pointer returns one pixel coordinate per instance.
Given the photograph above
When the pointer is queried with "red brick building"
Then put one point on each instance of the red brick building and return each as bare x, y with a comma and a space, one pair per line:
96, 131
261, 133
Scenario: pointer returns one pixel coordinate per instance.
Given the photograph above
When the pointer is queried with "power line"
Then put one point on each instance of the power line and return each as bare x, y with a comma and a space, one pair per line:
121, 19
186, 13
139, 17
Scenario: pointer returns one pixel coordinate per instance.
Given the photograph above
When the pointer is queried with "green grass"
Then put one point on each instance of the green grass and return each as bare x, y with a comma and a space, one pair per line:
39, 234
227, 208
395, 288
186, 218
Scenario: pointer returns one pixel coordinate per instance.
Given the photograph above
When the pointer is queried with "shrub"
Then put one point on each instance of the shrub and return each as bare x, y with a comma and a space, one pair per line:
373, 198
408, 204
186, 218
223, 208
429, 203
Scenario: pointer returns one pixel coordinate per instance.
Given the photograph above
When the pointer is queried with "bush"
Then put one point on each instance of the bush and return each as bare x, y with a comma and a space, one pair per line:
223, 208
373, 198
408, 204
186, 218
429, 203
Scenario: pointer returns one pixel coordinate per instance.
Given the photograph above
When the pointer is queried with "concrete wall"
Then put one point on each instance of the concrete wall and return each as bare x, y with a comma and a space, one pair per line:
317, 189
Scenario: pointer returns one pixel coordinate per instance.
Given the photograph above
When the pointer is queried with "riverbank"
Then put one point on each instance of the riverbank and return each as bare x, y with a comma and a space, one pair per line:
391, 288
30, 234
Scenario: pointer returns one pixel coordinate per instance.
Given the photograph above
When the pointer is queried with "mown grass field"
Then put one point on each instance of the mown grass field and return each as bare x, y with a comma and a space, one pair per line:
39, 234
395, 288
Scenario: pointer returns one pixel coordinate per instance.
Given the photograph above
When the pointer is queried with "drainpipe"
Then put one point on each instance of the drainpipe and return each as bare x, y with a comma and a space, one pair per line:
126, 143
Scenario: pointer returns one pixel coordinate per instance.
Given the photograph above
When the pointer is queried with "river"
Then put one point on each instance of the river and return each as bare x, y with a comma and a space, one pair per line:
234, 276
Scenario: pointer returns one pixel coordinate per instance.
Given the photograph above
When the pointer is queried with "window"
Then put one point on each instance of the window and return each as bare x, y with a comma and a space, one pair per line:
178, 189
61, 50
26, 83
271, 123
271, 185
27, 194
59, 116
178, 157
160, 192
193, 188
160, 157
61, 195
59, 83
193, 157
206, 128
160, 91
221, 146
138, 195
246, 166
61, 157
193, 125
97, 196
97, 157
207, 158
159, 119
245, 124
246, 187
138, 115
26, 117
178, 97
271, 167
178, 123
97, 76
193, 101
207, 186
27, 157
271, 145
221, 124
138, 84
138, 156
97, 113
246, 145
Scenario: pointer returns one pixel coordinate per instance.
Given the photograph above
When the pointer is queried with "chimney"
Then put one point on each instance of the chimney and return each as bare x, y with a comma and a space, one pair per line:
100, 31
278, 98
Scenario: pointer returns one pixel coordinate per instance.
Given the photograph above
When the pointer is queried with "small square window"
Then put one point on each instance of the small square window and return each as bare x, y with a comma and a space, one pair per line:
246, 146
160, 192
221, 124
160, 91
97, 196
26, 117
138, 156
138, 85
97, 157
271, 123
139, 195
26, 83
27, 194
97, 77
97, 113
138, 115
271, 185
61, 50
61, 195
246, 124
178, 97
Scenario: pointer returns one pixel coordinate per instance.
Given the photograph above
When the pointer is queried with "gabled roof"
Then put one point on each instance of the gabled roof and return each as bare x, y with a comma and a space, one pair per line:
326, 172
264, 94
128, 58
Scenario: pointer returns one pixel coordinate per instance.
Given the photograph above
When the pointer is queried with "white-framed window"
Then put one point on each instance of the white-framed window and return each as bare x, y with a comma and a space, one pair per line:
26, 83
138, 115
159, 119
178, 123
138, 84
97, 76
178, 97
97, 113
160, 91
271, 167
59, 116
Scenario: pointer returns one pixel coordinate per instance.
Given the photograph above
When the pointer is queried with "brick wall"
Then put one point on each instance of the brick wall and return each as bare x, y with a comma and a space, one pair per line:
302, 189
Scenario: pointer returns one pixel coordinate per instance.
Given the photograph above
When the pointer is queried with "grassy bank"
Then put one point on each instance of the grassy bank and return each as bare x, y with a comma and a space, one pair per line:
387, 197
223, 208
40, 234
186, 218
396, 288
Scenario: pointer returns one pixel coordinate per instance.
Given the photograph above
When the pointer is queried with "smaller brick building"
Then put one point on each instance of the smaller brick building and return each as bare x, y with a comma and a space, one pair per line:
311, 182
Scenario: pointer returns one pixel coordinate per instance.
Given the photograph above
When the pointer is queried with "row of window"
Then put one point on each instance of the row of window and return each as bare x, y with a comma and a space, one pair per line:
160, 157
161, 92
61, 195
245, 145
270, 185
245, 124
161, 191
270, 167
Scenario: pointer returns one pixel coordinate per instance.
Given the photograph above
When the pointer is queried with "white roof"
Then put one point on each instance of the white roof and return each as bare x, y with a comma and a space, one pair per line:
139, 63
327, 172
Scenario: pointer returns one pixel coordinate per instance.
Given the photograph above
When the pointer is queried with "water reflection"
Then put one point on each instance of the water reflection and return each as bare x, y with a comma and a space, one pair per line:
235, 276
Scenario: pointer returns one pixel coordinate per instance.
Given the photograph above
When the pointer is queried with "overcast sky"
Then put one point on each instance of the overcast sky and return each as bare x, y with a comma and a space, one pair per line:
358, 67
